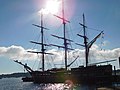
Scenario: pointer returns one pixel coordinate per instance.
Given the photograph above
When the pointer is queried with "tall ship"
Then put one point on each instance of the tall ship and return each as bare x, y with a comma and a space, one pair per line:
100, 75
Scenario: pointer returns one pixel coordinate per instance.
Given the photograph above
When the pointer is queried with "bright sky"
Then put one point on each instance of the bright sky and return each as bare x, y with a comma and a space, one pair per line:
17, 17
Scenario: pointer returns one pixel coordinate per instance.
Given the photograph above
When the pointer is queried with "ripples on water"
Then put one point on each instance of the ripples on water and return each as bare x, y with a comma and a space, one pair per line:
17, 84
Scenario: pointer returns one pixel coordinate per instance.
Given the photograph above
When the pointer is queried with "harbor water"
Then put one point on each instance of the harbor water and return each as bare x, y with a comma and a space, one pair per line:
17, 84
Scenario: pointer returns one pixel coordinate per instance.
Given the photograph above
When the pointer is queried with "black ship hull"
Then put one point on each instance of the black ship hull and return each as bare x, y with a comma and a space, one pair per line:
95, 75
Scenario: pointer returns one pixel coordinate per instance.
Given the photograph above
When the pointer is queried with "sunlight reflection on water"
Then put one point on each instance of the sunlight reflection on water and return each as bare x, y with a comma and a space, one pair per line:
17, 84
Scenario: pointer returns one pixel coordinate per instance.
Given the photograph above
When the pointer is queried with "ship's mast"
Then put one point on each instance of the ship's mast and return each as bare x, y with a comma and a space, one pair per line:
42, 52
65, 42
42, 45
85, 41
64, 37
86, 44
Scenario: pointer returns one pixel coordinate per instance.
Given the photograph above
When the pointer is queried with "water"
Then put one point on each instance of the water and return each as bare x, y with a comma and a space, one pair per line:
17, 84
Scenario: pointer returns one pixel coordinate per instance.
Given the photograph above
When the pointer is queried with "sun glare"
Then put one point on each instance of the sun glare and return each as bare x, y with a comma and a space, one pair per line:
52, 6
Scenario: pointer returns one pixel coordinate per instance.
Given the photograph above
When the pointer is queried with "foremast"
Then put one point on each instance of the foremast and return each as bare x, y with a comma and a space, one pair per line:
42, 47
42, 43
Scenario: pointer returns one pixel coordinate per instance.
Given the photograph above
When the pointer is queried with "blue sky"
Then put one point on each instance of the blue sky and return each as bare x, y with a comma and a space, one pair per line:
17, 17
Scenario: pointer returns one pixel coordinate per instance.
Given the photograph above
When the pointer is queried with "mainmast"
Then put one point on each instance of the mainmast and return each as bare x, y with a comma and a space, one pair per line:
64, 37
65, 42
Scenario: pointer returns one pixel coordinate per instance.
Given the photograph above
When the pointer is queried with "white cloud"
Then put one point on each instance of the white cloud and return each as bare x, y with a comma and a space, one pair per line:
18, 52
98, 54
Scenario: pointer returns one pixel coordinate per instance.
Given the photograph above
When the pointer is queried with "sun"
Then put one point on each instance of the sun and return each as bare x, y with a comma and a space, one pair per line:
52, 6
